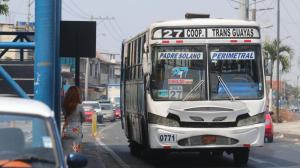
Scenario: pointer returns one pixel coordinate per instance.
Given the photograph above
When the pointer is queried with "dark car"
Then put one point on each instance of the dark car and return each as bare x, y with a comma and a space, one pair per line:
29, 136
269, 128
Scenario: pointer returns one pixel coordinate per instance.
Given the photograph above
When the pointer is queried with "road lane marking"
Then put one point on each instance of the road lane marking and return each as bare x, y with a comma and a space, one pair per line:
263, 162
113, 154
109, 150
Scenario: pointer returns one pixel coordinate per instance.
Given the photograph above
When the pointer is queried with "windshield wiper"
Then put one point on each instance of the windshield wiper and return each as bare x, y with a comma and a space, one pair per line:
231, 97
189, 95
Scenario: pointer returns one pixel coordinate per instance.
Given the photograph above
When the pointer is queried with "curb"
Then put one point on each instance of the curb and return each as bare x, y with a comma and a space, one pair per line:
293, 137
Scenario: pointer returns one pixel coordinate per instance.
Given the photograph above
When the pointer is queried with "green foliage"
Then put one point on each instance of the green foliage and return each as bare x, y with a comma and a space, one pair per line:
285, 54
3, 7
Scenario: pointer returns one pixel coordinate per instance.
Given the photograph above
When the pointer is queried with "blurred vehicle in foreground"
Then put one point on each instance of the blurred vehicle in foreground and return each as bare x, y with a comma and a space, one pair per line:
29, 136
90, 107
108, 113
269, 128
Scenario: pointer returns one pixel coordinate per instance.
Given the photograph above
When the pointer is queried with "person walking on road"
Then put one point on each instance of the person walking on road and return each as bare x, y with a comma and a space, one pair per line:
74, 117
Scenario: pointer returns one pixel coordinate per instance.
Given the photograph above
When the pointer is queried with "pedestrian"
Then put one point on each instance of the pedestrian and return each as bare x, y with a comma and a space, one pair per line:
74, 117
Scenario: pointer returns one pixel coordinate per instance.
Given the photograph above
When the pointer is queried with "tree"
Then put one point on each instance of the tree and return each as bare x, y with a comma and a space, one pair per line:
285, 54
3, 7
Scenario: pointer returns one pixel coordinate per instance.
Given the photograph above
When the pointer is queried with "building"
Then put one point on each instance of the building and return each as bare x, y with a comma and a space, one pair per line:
103, 72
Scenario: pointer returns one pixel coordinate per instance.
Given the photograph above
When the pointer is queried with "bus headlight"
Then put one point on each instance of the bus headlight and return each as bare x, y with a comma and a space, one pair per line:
156, 119
259, 118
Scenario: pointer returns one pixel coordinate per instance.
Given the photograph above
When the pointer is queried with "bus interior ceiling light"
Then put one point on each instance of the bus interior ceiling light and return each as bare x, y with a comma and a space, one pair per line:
196, 15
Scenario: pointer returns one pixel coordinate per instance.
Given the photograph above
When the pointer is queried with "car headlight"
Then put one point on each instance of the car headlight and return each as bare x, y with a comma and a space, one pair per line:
156, 119
256, 119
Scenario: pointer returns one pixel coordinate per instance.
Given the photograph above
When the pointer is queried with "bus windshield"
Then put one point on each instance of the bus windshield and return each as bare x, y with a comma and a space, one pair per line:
240, 69
179, 73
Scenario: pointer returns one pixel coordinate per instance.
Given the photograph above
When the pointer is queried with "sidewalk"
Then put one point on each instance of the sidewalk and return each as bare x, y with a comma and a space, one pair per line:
97, 156
288, 129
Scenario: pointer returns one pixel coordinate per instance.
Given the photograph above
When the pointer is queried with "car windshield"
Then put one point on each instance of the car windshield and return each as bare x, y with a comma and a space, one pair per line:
235, 70
106, 107
178, 73
28, 139
91, 105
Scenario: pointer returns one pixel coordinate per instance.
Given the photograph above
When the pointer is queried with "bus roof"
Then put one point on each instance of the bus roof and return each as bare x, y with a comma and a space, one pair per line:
204, 22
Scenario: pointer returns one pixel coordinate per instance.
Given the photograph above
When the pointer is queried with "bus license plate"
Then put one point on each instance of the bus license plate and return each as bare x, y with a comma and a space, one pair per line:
208, 139
167, 137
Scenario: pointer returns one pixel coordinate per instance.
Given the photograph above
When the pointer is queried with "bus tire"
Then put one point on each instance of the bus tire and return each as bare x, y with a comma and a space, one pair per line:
135, 148
217, 153
154, 156
241, 156
270, 139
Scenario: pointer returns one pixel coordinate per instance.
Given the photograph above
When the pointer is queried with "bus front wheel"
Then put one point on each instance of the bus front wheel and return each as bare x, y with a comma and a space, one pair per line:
241, 156
135, 148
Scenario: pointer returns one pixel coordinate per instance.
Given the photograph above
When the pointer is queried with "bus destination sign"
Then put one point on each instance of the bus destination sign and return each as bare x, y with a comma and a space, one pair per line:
232, 33
209, 33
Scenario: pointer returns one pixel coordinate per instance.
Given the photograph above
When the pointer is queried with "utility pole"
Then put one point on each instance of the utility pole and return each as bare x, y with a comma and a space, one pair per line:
29, 3
297, 94
247, 9
254, 11
86, 79
278, 43
244, 9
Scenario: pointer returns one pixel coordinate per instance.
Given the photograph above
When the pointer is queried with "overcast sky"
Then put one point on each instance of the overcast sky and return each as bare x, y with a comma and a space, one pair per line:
133, 16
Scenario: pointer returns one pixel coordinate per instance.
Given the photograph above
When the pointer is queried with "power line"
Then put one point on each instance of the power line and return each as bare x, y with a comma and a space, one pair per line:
271, 5
238, 2
296, 5
72, 12
76, 6
109, 32
258, 2
119, 27
115, 29
292, 19
228, 1
290, 16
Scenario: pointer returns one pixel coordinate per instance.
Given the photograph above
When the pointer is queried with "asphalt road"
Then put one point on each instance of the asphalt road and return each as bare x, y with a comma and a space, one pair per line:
114, 152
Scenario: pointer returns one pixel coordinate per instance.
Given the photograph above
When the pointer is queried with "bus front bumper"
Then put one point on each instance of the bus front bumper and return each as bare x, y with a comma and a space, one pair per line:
163, 137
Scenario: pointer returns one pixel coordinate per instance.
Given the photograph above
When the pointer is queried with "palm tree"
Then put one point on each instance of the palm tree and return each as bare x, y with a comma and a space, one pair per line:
3, 7
285, 55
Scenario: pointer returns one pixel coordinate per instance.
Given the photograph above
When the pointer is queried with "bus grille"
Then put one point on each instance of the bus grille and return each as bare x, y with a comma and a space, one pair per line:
208, 124
197, 141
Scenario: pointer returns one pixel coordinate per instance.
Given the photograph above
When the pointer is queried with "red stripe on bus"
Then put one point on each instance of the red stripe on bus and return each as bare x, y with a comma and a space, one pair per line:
247, 41
167, 147
233, 41
179, 41
247, 145
165, 42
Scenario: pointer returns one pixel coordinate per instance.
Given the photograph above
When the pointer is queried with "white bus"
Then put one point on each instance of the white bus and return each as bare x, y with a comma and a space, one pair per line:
194, 84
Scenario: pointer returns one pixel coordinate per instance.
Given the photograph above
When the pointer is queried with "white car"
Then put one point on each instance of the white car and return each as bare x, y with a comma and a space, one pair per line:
29, 136
95, 106
108, 112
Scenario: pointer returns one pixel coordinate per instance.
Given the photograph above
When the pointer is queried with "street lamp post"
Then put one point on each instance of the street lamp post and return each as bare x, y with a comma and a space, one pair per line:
278, 41
297, 94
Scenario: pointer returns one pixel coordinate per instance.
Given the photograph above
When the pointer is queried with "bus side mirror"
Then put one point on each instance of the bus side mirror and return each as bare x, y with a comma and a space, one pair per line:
147, 81
147, 65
